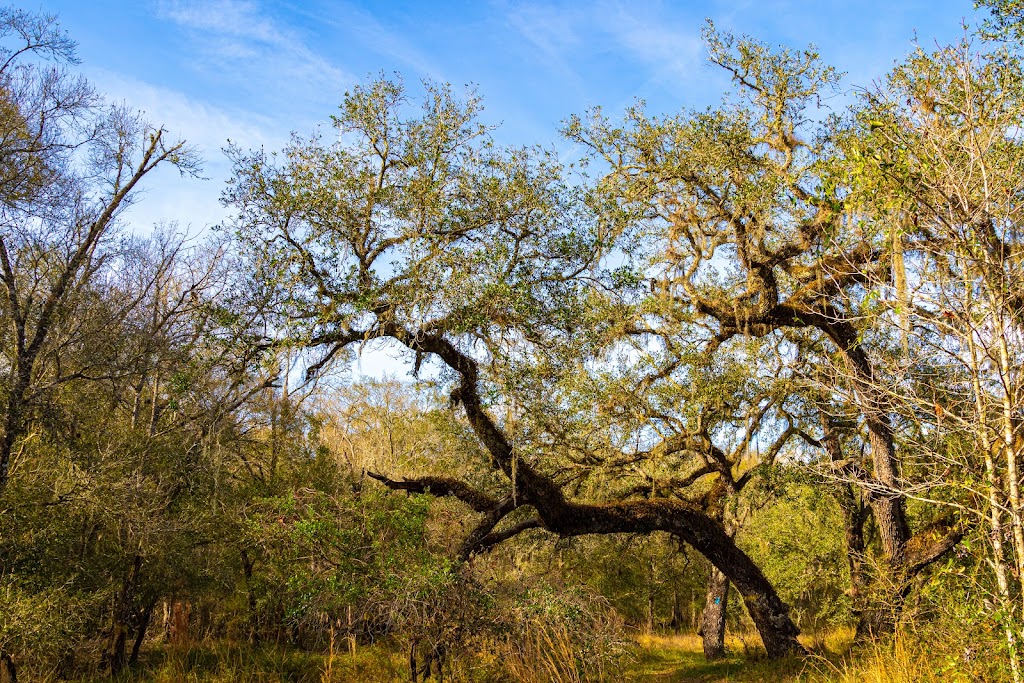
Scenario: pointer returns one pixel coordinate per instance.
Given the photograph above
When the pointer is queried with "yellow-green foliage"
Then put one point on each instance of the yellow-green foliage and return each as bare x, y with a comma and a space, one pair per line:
238, 663
550, 654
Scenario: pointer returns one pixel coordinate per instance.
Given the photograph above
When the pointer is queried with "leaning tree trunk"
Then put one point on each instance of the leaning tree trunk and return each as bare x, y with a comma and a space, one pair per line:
685, 520
712, 619
144, 619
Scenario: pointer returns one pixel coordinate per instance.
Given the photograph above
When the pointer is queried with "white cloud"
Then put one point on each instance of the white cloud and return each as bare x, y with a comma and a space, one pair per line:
203, 125
669, 51
227, 17
237, 40
553, 31
193, 203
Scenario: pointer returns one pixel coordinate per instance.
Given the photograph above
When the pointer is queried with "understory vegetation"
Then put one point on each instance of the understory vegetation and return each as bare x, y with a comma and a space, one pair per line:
736, 396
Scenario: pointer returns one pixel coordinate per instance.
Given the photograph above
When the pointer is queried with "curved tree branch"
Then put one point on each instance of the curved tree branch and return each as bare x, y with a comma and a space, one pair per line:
568, 518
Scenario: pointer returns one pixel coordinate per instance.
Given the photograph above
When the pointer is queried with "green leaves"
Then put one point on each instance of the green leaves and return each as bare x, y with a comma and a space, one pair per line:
413, 216
323, 553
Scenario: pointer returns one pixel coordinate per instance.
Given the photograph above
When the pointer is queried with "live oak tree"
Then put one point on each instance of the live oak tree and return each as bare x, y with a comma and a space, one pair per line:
416, 228
755, 230
640, 413
758, 330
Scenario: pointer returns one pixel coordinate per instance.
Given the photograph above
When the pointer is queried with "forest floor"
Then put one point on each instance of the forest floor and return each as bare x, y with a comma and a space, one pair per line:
658, 659
680, 659
831, 659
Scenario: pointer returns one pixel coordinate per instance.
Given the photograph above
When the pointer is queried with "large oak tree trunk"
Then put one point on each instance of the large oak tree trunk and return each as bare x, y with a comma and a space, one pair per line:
905, 554
684, 520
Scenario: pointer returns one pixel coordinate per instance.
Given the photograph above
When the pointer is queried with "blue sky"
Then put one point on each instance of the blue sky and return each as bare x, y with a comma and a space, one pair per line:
255, 70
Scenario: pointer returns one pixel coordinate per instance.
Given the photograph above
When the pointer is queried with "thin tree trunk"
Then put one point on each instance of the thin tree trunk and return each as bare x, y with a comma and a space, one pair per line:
1010, 450
140, 635
116, 659
14, 420
712, 620
116, 656
8, 665
855, 514
995, 515
677, 613
12, 670
154, 413
254, 626
137, 402
428, 665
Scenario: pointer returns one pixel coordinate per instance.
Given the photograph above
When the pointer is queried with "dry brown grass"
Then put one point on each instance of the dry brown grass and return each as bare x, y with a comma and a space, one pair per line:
896, 661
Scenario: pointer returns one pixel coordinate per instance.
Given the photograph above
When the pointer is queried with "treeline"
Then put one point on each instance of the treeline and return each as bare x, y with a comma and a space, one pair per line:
774, 345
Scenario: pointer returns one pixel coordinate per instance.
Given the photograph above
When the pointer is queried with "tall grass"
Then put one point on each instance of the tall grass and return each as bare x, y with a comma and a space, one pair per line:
540, 651
547, 653
227, 662
897, 660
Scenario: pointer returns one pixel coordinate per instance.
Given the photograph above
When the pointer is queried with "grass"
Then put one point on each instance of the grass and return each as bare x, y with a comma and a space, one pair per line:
680, 659
657, 658
226, 662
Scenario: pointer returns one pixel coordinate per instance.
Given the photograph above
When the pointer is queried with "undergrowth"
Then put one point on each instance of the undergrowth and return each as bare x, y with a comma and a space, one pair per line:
552, 656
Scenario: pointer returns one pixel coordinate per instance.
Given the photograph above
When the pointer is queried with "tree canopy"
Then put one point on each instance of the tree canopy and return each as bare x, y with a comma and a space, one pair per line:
771, 345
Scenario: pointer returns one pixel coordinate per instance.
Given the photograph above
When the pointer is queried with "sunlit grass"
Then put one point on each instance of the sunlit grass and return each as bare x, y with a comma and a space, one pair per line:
548, 658
833, 659
680, 659
226, 662
895, 660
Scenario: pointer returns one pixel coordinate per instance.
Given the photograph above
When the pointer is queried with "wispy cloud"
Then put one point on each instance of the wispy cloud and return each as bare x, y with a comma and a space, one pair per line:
227, 17
205, 126
191, 202
364, 29
668, 49
239, 40
555, 35
551, 30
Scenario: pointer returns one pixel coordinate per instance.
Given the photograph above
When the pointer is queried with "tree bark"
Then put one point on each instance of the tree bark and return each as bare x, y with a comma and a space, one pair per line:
14, 418
116, 656
140, 635
712, 619
677, 614
906, 555
254, 625
855, 514
566, 518
9, 667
